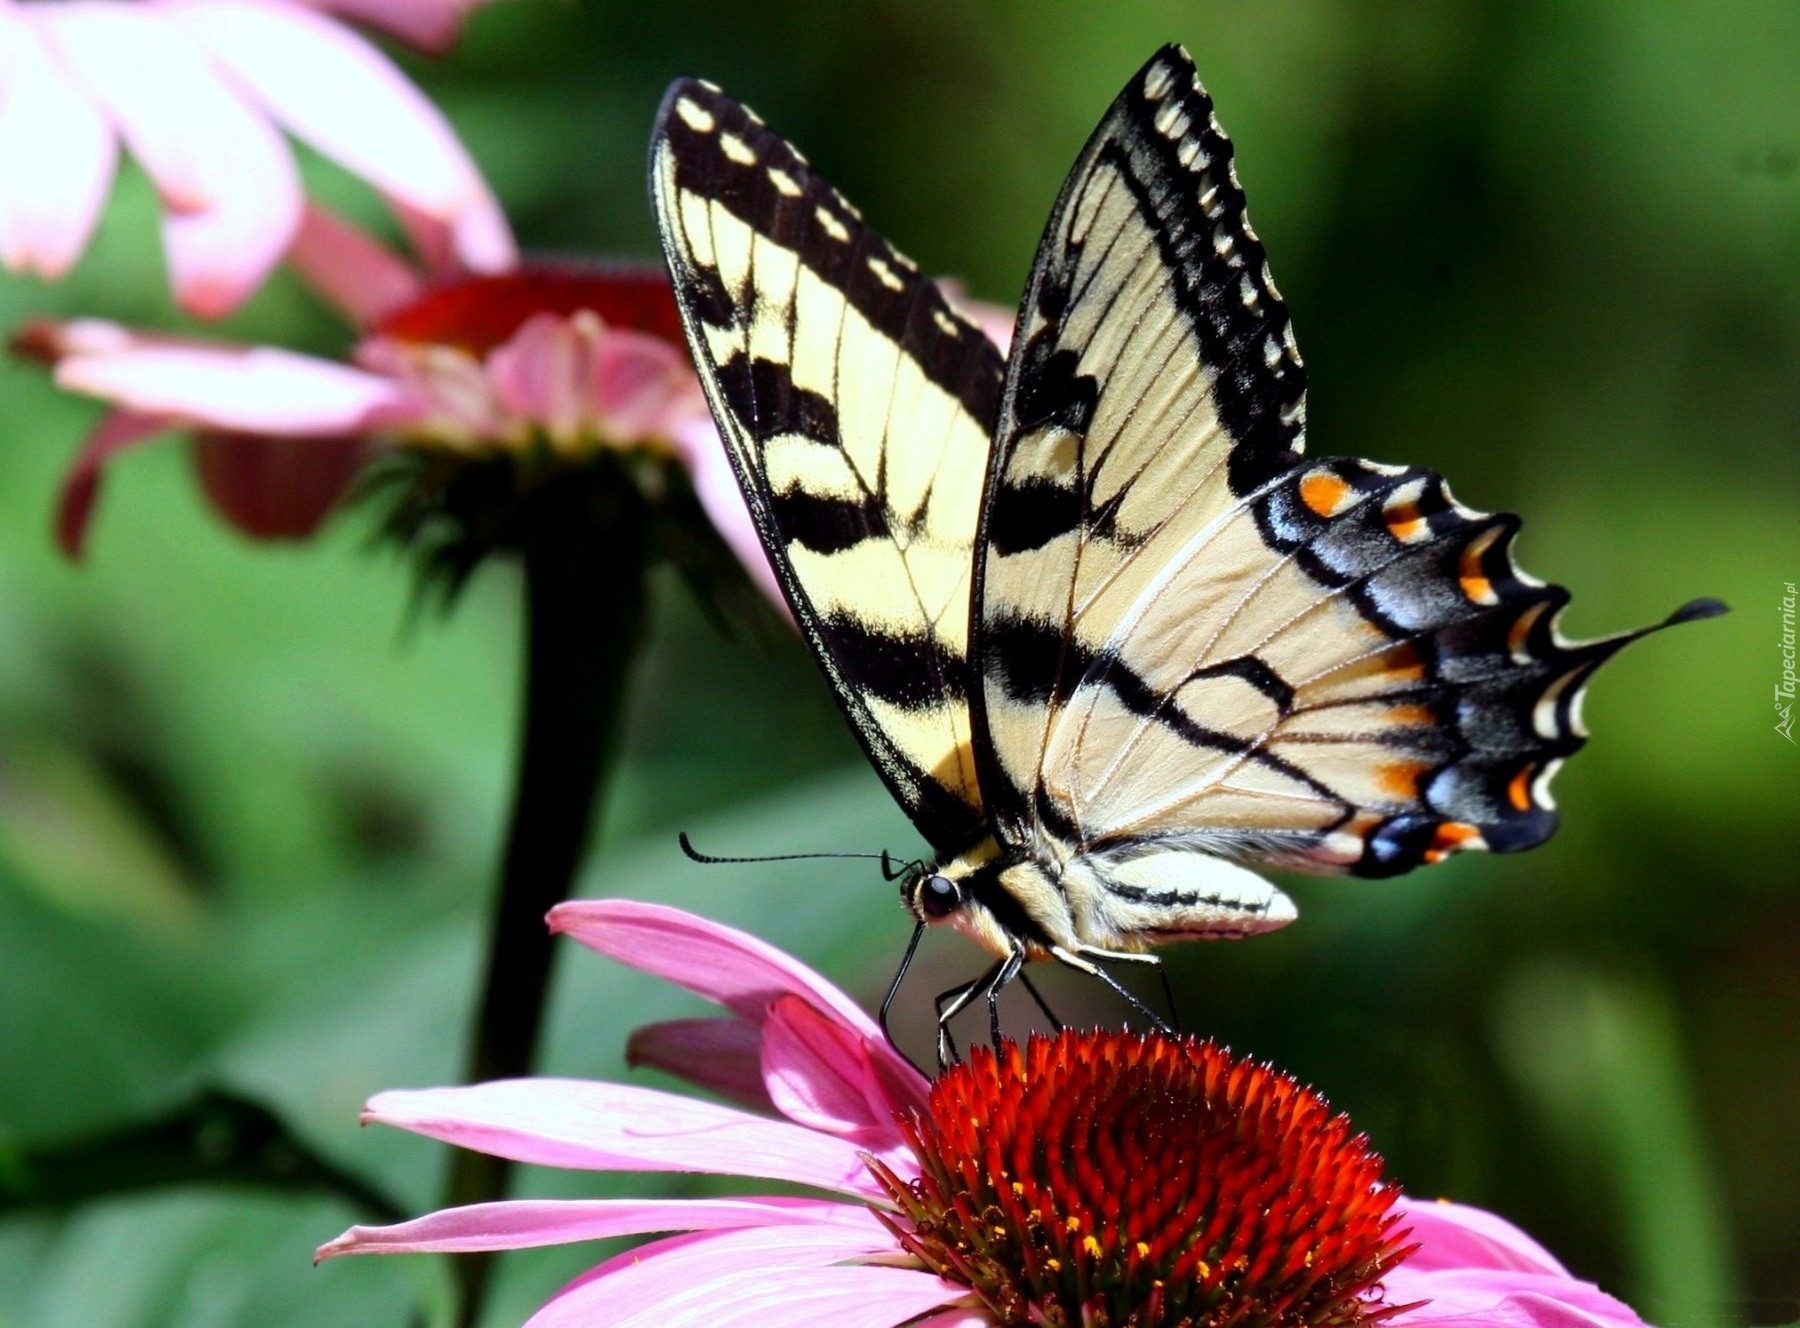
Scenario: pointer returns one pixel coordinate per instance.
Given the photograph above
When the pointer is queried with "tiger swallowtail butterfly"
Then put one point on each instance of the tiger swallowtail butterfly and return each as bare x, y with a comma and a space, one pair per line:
1111, 639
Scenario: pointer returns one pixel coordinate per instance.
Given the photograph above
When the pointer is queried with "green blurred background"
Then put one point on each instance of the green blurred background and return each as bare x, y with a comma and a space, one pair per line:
248, 815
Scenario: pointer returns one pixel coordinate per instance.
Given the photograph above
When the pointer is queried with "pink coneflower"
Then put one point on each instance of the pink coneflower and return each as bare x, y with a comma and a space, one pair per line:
546, 362
199, 92
1082, 1179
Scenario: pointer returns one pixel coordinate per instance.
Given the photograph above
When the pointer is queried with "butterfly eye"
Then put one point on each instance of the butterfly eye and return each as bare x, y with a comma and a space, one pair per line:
939, 896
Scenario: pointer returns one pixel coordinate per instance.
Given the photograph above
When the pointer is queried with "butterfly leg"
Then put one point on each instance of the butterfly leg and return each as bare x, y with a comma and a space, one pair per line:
1009, 969
1173, 1024
953, 1002
893, 990
1088, 961
1056, 1024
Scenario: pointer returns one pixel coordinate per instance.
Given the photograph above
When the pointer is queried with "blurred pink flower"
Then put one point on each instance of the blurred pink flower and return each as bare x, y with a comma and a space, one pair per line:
430, 25
561, 357
199, 91
825, 1103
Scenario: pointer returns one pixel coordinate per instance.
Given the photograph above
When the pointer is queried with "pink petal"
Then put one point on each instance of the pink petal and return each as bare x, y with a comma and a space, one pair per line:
718, 491
726, 966
721, 1055
337, 92
227, 179
276, 488
642, 388
957, 1318
616, 1127
351, 269
540, 372
995, 321
241, 389
56, 156
754, 1278
1493, 1299
818, 1075
81, 484
430, 25
1457, 1236
526, 1223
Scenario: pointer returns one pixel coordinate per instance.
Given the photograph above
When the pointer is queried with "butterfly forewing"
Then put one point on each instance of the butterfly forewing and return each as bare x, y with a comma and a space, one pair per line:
1155, 382
857, 408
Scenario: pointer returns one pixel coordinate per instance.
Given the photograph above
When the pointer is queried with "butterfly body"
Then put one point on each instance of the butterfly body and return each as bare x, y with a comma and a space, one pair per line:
1042, 899
1109, 636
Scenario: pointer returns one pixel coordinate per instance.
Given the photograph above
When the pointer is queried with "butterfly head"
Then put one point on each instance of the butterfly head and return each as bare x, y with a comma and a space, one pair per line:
1003, 902
932, 896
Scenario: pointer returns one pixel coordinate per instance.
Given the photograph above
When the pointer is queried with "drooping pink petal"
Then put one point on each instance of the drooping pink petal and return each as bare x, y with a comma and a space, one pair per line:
276, 488
430, 25
717, 489
539, 374
81, 483
228, 182
726, 966
995, 321
752, 1278
577, 379
344, 97
1456, 1236
455, 401
818, 1075
956, 1318
241, 389
351, 269
1494, 1299
641, 388
519, 1224
616, 1127
723, 1055
57, 156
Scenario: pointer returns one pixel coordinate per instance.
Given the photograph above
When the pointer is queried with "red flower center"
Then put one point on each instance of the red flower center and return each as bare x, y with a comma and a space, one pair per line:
1104, 1179
477, 314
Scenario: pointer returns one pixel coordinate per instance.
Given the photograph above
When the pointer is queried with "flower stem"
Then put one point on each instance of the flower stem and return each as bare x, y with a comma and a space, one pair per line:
584, 542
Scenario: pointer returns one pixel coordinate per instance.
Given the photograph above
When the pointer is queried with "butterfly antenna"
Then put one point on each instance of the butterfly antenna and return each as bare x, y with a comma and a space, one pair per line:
884, 857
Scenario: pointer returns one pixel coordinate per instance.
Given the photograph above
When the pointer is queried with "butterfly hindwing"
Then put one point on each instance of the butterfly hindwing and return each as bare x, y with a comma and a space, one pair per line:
857, 408
1188, 638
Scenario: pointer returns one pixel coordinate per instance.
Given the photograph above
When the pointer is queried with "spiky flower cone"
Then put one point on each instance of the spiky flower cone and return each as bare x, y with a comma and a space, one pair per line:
1107, 1179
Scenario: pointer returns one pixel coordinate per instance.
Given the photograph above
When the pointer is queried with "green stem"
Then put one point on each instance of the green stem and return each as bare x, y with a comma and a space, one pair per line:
584, 543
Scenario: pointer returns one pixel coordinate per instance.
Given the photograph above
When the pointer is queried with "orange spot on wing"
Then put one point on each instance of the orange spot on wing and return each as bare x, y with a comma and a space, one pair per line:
1404, 666
1404, 522
1323, 492
1475, 583
1450, 837
1520, 631
1479, 589
1400, 779
1411, 716
1518, 793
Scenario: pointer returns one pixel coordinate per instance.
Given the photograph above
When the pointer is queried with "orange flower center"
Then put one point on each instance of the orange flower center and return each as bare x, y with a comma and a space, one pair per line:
1103, 1179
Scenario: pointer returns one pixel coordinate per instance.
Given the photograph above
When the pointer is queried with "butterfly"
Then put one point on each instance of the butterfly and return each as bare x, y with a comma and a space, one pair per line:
1110, 638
